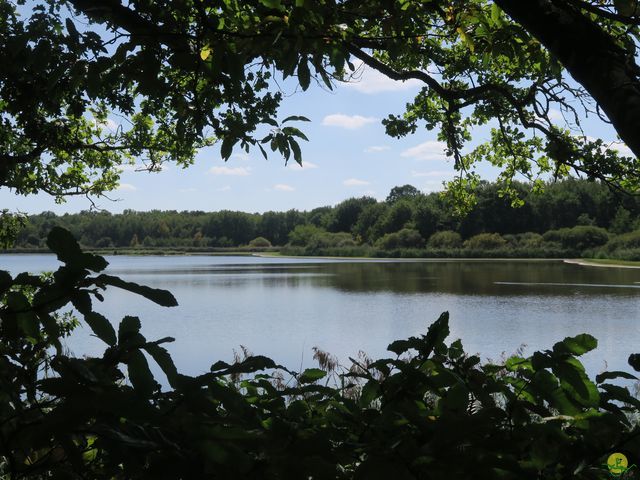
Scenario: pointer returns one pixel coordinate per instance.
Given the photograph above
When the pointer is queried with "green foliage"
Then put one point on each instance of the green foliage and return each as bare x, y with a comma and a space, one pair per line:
10, 225
580, 237
405, 191
629, 240
525, 241
405, 238
445, 240
622, 247
559, 206
346, 213
485, 241
90, 86
301, 235
315, 239
622, 222
260, 242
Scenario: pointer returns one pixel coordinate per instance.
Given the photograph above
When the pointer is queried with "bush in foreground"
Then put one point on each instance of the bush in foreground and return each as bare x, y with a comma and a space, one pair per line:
427, 411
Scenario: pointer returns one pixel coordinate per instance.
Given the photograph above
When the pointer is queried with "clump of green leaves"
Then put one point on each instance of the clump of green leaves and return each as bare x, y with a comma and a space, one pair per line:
10, 225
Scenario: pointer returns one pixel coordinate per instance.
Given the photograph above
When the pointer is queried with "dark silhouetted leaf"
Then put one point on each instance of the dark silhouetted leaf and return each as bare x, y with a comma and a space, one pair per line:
369, 393
438, 331
634, 361
577, 345
140, 375
311, 375
304, 76
63, 244
249, 365
156, 295
297, 118
227, 147
5, 281
101, 327
129, 326
164, 361
297, 154
601, 377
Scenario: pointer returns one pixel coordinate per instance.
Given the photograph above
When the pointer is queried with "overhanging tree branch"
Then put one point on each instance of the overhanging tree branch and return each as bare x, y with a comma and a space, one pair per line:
606, 70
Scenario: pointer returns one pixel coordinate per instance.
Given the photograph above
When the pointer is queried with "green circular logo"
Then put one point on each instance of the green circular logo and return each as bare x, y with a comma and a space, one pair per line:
617, 464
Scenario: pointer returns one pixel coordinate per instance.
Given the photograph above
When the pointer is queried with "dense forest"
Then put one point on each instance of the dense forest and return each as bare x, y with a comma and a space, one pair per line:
572, 217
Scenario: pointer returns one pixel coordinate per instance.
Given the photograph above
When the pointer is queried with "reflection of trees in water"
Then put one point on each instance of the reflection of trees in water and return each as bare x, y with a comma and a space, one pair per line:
477, 278
466, 277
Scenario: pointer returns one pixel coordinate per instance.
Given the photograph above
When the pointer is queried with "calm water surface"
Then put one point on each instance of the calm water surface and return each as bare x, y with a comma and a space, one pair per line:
284, 307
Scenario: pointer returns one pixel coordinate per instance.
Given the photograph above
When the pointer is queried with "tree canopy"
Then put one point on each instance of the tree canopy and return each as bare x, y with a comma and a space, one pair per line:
182, 75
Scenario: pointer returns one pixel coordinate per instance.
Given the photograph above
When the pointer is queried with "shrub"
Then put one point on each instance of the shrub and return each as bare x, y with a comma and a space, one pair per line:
485, 241
405, 238
328, 239
302, 234
632, 254
148, 241
622, 222
445, 240
529, 240
260, 242
578, 238
104, 242
33, 240
626, 241
315, 239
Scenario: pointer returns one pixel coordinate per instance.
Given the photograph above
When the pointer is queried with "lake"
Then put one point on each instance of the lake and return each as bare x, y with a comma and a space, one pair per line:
282, 307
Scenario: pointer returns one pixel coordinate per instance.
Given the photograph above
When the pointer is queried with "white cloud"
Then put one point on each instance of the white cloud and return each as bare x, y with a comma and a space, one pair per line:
623, 150
350, 122
368, 80
126, 187
377, 148
430, 150
226, 188
233, 171
355, 182
295, 166
616, 145
556, 115
107, 124
281, 187
433, 186
433, 173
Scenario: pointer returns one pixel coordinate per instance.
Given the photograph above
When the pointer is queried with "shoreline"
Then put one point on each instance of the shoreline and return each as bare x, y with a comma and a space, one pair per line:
603, 263
584, 262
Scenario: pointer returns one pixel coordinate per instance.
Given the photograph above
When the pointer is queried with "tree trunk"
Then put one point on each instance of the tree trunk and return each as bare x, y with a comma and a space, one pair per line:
606, 70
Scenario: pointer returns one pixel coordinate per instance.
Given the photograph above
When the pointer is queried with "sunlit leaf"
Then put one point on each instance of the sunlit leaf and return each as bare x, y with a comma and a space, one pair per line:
205, 53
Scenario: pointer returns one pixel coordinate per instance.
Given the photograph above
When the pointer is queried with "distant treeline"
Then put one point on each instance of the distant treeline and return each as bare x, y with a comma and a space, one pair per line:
567, 218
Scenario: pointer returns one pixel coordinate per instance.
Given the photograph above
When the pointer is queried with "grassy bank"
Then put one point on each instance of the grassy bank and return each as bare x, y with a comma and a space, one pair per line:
603, 262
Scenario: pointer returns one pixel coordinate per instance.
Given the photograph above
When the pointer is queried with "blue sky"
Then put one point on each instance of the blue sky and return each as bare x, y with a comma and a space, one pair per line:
348, 154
